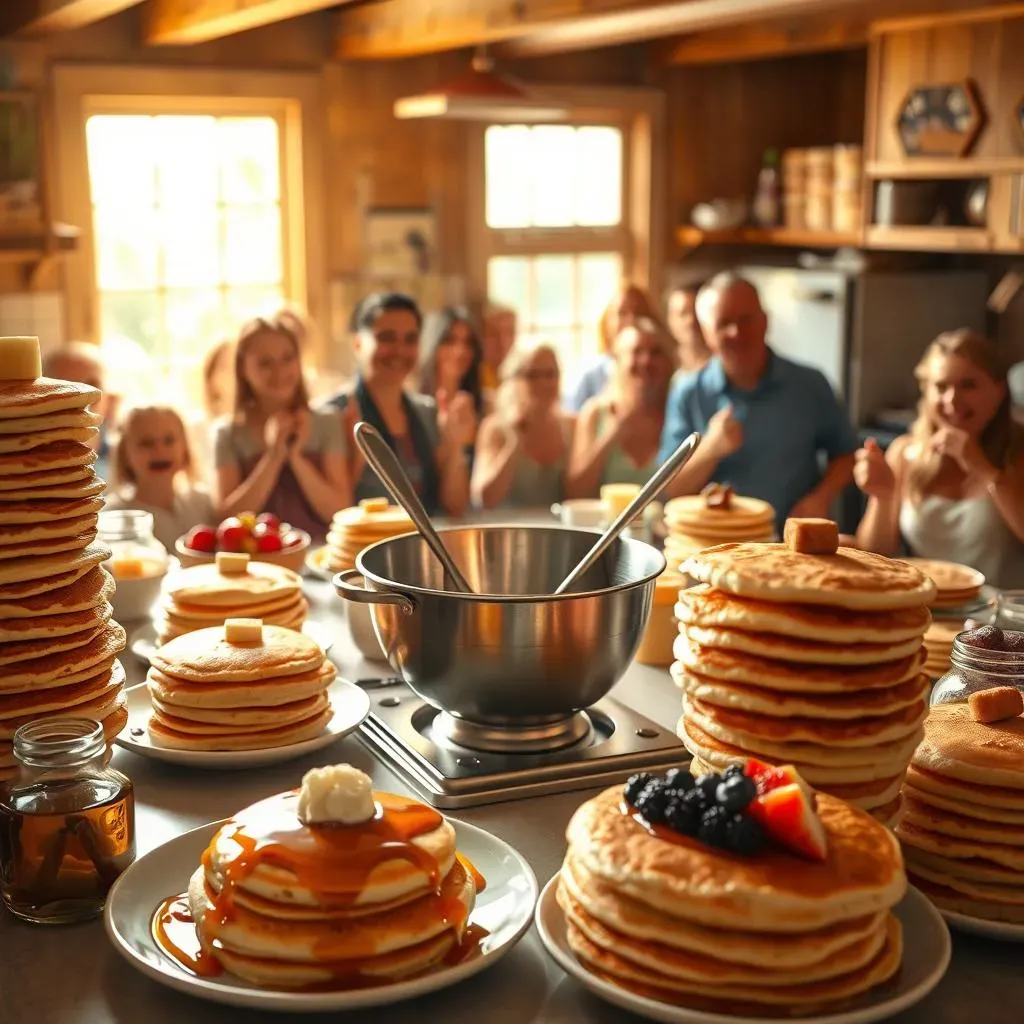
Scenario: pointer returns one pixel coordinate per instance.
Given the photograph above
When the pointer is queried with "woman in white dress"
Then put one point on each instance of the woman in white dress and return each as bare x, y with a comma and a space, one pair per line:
953, 487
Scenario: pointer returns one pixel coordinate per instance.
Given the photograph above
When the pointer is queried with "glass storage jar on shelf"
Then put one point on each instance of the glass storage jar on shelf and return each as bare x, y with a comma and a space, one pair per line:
980, 660
1010, 610
67, 823
138, 561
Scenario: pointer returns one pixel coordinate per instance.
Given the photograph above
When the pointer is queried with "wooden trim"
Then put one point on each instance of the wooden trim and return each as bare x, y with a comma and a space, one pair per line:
937, 167
36, 17
294, 97
184, 22
929, 239
912, 23
689, 237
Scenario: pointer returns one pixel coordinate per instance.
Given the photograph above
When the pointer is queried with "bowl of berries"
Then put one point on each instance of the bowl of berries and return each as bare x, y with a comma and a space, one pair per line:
262, 536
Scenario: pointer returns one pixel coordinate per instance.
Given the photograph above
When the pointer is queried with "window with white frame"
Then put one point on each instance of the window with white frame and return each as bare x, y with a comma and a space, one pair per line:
555, 233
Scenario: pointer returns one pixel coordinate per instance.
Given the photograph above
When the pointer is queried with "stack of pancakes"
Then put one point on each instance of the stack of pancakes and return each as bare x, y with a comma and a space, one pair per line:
963, 825
811, 660
324, 908
210, 692
693, 524
353, 529
672, 919
207, 595
955, 585
58, 644
938, 645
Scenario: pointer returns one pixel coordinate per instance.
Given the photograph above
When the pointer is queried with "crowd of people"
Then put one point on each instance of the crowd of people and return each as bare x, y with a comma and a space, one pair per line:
479, 420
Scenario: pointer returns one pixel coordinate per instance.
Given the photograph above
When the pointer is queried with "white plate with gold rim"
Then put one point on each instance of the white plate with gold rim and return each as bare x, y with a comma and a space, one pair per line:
349, 703
926, 953
504, 909
1003, 930
142, 641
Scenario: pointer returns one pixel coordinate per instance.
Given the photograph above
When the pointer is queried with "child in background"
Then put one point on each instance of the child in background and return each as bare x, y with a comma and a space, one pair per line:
154, 472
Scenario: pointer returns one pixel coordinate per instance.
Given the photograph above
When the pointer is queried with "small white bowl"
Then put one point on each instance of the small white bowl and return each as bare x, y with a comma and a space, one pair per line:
135, 597
591, 513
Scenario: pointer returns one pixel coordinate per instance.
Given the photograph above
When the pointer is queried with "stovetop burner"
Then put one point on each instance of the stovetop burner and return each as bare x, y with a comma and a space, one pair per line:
431, 751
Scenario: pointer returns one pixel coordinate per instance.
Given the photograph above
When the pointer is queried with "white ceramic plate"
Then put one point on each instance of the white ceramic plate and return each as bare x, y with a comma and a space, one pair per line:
351, 705
985, 603
504, 908
926, 951
142, 641
989, 929
316, 563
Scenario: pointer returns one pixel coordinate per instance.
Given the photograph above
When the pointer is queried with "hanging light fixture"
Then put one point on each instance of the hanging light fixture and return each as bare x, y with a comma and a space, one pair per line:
482, 94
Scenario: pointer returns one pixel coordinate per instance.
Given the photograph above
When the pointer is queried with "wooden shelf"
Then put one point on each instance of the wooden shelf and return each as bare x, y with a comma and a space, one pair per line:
929, 239
690, 237
35, 247
933, 168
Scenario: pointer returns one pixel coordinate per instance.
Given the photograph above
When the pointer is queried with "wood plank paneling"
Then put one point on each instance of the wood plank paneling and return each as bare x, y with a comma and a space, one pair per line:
184, 22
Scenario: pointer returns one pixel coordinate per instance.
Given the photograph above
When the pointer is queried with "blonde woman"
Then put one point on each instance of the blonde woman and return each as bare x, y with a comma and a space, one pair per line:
523, 446
618, 433
953, 488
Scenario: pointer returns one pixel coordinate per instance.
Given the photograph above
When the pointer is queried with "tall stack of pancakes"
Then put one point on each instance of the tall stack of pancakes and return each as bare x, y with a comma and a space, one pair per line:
232, 587
806, 659
355, 528
717, 516
672, 919
343, 904
210, 691
963, 826
58, 644
938, 645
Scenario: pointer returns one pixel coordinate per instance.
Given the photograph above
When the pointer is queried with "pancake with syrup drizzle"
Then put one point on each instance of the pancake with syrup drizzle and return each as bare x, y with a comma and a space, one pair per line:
282, 903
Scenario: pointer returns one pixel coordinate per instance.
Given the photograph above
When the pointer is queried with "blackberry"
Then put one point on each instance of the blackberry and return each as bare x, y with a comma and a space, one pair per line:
696, 799
634, 786
736, 768
714, 826
680, 779
683, 816
735, 793
652, 801
708, 785
743, 835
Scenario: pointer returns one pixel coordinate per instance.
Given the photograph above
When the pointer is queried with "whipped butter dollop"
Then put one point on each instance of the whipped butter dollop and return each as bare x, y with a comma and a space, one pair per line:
336, 794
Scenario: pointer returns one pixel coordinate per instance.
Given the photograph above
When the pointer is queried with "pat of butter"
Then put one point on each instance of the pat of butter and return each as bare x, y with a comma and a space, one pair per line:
232, 562
243, 631
336, 794
19, 359
374, 504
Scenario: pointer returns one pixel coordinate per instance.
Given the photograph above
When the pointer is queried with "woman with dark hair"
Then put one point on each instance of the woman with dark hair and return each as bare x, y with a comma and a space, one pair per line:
387, 347
276, 454
953, 487
452, 358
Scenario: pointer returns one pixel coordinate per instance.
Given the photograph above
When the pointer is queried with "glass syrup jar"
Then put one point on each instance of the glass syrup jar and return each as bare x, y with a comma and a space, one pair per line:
974, 668
67, 823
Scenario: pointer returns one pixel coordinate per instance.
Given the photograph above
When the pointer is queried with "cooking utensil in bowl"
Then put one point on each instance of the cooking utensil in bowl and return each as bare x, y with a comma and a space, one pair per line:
648, 493
386, 465
511, 654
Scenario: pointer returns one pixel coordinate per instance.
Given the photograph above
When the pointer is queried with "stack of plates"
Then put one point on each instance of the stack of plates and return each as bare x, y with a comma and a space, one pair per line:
963, 828
804, 659
938, 645
58, 643
957, 587
353, 529
693, 525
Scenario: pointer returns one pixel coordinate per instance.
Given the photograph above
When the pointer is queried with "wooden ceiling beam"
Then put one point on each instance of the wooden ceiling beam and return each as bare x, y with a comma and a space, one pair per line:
183, 22
36, 17
405, 28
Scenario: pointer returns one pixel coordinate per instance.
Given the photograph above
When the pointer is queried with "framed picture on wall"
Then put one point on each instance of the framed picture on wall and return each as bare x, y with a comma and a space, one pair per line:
941, 119
19, 157
400, 242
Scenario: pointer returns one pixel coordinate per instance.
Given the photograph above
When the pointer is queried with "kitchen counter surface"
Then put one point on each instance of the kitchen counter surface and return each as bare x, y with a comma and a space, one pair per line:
72, 975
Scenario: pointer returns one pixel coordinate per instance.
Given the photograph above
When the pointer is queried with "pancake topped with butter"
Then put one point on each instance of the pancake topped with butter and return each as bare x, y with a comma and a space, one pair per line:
356, 528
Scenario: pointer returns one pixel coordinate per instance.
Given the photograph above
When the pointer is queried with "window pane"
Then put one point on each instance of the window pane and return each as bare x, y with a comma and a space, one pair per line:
186, 156
507, 161
133, 315
126, 250
250, 164
555, 175
597, 188
600, 275
247, 303
555, 291
252, 245
194, 319
190, 247
508, 282
121, 159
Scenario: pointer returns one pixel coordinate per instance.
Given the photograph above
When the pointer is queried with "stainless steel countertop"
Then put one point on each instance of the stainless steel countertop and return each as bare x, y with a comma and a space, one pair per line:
72, 975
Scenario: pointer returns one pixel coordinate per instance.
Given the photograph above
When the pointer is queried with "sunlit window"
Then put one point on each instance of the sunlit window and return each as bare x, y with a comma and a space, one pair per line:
553, 210
188, 230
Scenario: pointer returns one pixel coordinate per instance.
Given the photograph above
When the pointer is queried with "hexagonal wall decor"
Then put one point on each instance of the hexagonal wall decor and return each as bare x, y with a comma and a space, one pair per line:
941, 120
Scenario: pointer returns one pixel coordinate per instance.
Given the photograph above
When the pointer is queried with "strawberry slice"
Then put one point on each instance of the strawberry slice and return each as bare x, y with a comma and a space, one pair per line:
788, 816
771, 776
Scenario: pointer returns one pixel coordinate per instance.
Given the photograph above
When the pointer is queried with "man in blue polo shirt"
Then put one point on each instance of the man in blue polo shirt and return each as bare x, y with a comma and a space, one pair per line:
771, 428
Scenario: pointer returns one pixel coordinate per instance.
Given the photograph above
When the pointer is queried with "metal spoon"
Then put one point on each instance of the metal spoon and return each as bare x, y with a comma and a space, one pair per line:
385, 464
648, 493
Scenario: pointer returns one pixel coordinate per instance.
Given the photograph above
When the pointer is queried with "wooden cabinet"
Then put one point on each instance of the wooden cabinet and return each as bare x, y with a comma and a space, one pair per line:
1006, 212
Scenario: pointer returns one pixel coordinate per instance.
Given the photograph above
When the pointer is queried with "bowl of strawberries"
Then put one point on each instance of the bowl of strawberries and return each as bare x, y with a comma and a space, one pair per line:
262, 536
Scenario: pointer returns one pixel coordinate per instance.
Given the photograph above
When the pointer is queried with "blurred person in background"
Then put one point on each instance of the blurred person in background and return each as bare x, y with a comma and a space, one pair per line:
523, 446
618, 433
432, 452
276, 454
498, 337
681, 320
218, 398
625, 308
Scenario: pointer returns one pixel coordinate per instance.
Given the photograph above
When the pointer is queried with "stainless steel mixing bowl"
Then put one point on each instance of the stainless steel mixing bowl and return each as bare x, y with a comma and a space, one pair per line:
510, 654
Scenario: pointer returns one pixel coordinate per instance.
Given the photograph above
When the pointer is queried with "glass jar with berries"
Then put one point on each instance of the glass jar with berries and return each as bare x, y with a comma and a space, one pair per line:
981, 659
